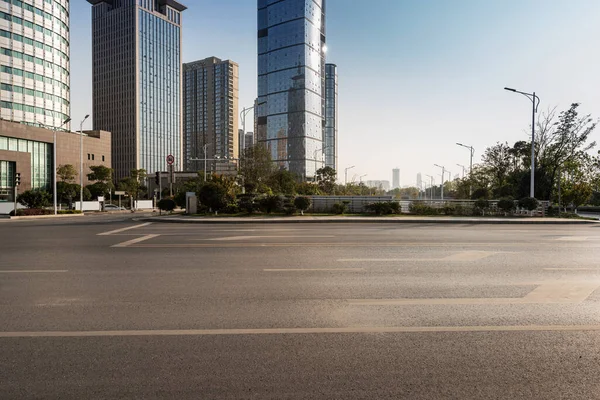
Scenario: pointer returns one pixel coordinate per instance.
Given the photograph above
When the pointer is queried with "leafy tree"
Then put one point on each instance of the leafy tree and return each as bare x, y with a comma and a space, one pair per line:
213, 196
302, 203
308, 189
133, 185
67, 192
256, 167
283, 182
326, 177
247, 202
506, 204
66, 173
104, 182
35, 198
528, 203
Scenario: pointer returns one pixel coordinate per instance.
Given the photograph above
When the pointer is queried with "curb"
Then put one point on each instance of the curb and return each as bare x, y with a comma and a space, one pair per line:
225, 220
22, 218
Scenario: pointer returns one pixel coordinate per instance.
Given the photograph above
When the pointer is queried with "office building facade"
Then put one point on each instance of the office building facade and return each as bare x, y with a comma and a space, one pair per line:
330, 145
35, 62
136, 54
291, 83
395, 178
210, 113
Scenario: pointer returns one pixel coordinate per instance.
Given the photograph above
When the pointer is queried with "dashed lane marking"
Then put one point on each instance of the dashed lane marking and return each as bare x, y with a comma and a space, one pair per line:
134, 241
124, 229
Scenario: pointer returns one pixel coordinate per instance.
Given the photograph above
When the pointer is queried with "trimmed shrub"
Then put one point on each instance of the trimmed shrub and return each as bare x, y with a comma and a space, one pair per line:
528, 203
422, 209
272, 203
383, 208
231, 208
166, 205
449, 209
339, 208
213, 196
302, 203
35, 199
481, 206
27, 212
506, 204
247, 203
288, 205
67, 212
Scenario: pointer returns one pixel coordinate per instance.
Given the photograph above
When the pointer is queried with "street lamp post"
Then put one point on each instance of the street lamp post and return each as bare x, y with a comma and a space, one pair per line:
243, 114
54, 164
81, 162
463, 170
443, 176
346, 174
472, 151
535, 100
360, 178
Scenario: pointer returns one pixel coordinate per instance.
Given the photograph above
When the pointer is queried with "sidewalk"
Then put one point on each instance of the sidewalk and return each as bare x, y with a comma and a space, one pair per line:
182, 219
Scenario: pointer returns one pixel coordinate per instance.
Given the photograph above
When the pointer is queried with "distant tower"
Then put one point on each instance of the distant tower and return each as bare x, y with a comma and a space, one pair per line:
419, 180
395, 178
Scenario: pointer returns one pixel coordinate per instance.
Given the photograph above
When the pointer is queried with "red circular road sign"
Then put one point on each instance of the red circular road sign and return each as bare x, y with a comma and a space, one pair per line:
170, 159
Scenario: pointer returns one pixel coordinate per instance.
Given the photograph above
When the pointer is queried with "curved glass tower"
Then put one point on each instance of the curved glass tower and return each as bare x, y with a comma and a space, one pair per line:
34, 61
291, 83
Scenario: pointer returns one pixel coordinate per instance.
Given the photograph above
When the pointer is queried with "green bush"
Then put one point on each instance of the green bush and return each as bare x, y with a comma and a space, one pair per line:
481, 206
213, 196
231, 208
449, 209
528, 203
247, 203
288, 205
302, 203
35, 199
339, 208
180, 199
506, 204
67, 212
422, 209
271, 203
384, 208
166, 205
27, 212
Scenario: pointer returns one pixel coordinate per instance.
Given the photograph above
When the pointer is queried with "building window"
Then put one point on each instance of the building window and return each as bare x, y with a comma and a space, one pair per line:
92, 157
102, 158
89, 156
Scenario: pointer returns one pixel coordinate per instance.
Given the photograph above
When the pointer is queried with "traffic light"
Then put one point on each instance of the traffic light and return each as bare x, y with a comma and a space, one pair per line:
17, 179
157, 178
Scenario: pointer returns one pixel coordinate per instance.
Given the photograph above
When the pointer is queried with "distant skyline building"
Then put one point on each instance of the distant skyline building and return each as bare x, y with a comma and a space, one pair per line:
419, 180
330, 149
249, 139
382, 185
136, 58
34, 62
395, 178
291, 83
210, 112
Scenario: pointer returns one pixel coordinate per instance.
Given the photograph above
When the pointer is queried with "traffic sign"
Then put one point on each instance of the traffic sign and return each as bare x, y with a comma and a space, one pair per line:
170, 159
119, 193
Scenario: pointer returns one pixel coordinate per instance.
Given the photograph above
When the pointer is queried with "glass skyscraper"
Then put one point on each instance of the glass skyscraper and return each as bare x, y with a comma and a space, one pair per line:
34, 62
137, 81
291, 83
330, 149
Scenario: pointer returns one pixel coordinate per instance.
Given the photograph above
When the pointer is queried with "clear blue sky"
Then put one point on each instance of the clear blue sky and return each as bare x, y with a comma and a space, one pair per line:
415, 76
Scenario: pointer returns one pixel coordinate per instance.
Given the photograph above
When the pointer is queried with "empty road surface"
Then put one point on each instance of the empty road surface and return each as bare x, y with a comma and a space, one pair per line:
114, 308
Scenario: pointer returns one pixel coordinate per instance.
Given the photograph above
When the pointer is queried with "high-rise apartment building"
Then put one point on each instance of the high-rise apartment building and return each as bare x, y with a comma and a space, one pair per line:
395, 178
249, 142
330, 148
34, 62
210, 109
136, 54
419, 181
291, 83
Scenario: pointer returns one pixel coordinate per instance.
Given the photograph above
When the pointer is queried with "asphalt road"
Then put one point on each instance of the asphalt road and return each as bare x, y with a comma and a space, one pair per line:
113, 308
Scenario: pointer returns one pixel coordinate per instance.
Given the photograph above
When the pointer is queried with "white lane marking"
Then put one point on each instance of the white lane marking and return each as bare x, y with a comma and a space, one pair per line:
262, 237
573, 238
298, 331
34, 271
463, 256
134, 241
311, 269
124, 229
547, 293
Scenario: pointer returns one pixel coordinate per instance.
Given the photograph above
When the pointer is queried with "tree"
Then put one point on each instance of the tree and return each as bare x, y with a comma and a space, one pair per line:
133, 185
256, 167
35, 198
67, 192
326, 177
308, 189
213, 196
66, 173
302, 203
283, 182
166, 205
271, 203
104, 182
